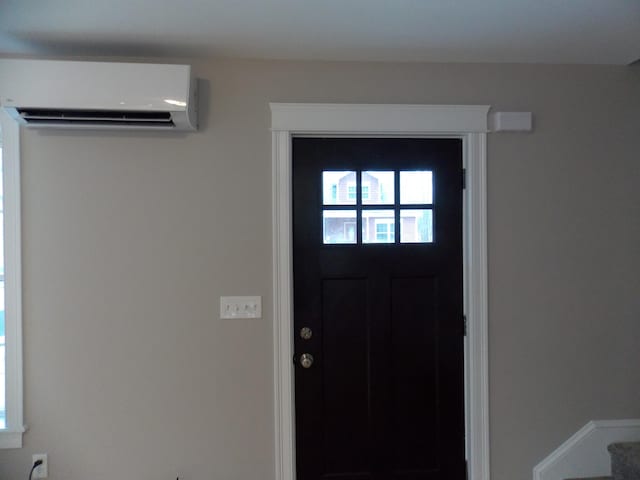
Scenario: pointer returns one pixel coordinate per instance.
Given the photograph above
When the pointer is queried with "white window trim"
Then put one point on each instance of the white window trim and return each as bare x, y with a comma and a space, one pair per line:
468, 122
11, 436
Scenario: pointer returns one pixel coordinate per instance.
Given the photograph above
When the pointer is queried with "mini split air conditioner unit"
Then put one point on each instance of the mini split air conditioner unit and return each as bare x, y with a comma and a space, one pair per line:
99, 95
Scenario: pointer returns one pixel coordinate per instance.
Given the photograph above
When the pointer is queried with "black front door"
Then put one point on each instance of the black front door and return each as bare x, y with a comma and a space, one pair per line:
378, 315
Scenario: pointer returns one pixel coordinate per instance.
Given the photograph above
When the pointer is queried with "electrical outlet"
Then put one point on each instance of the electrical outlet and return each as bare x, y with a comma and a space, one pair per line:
41, 471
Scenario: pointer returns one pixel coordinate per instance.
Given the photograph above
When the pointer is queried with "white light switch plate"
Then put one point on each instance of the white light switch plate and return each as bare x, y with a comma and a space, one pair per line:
241, 307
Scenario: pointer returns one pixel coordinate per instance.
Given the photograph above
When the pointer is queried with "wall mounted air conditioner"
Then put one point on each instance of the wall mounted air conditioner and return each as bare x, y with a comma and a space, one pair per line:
99, 95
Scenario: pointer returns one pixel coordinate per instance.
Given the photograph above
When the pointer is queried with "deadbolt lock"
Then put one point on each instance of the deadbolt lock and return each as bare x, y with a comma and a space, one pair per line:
306, 333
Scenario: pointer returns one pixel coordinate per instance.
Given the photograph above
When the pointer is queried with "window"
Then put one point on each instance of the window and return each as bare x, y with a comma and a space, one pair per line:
338, 188
385, 231
351, 192
11, 423
378, 226
387, 206
365, 193
3, 369
339, 226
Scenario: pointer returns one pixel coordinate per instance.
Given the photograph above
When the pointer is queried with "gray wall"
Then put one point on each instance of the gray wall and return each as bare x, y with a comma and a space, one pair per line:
129, 240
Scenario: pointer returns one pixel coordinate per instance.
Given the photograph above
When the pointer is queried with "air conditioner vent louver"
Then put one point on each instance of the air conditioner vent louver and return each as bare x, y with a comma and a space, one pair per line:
95, 117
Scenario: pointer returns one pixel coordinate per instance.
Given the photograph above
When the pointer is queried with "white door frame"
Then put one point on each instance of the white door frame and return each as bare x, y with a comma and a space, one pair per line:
468, 122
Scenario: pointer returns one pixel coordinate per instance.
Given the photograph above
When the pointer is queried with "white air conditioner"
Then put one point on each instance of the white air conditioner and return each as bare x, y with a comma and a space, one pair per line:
99, 95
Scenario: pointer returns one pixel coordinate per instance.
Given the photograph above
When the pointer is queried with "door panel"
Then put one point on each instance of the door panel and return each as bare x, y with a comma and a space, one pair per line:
345, 374
384, 397
414, 373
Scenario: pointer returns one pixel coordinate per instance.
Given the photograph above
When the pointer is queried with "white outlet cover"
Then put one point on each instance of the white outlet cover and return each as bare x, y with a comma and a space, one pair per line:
241, 307
42, 471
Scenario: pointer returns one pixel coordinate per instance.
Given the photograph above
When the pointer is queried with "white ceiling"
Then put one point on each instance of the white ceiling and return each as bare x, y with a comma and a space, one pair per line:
532, 31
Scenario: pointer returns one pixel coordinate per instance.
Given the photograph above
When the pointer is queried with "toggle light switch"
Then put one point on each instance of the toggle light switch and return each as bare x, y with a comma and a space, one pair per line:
241, 307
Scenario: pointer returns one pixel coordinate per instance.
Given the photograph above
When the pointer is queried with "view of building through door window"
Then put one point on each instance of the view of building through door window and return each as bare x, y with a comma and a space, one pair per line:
377, 188
3, 410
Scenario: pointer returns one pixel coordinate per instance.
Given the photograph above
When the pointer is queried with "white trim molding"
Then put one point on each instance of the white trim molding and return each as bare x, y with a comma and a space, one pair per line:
467, 122
382, 119
585, 453
11, 437
476, 307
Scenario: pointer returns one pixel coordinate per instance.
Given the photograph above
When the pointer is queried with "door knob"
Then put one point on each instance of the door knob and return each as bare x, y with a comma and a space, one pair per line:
306, 360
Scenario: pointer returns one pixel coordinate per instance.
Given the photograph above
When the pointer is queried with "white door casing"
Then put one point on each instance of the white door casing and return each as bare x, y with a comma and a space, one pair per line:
468, 122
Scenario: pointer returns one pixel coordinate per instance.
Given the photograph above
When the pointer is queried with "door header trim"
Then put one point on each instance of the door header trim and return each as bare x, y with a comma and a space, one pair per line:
378, 118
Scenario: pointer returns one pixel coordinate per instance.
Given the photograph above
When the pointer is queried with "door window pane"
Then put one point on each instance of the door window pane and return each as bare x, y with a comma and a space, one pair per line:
416, 187
378, 226
339, 226
416, 226
339, 188
378, 188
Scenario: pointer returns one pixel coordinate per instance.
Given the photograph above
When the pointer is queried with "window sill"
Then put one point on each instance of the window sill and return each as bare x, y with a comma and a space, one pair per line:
11, 438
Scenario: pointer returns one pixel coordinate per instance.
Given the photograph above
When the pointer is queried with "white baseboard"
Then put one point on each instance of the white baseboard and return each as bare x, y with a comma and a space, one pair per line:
585, 453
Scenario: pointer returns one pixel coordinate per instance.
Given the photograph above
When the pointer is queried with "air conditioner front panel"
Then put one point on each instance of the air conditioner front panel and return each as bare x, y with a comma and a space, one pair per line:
95, 85
43, 93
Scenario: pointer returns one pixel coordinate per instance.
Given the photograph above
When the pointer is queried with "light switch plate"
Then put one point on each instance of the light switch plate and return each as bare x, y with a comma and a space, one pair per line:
241, 307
